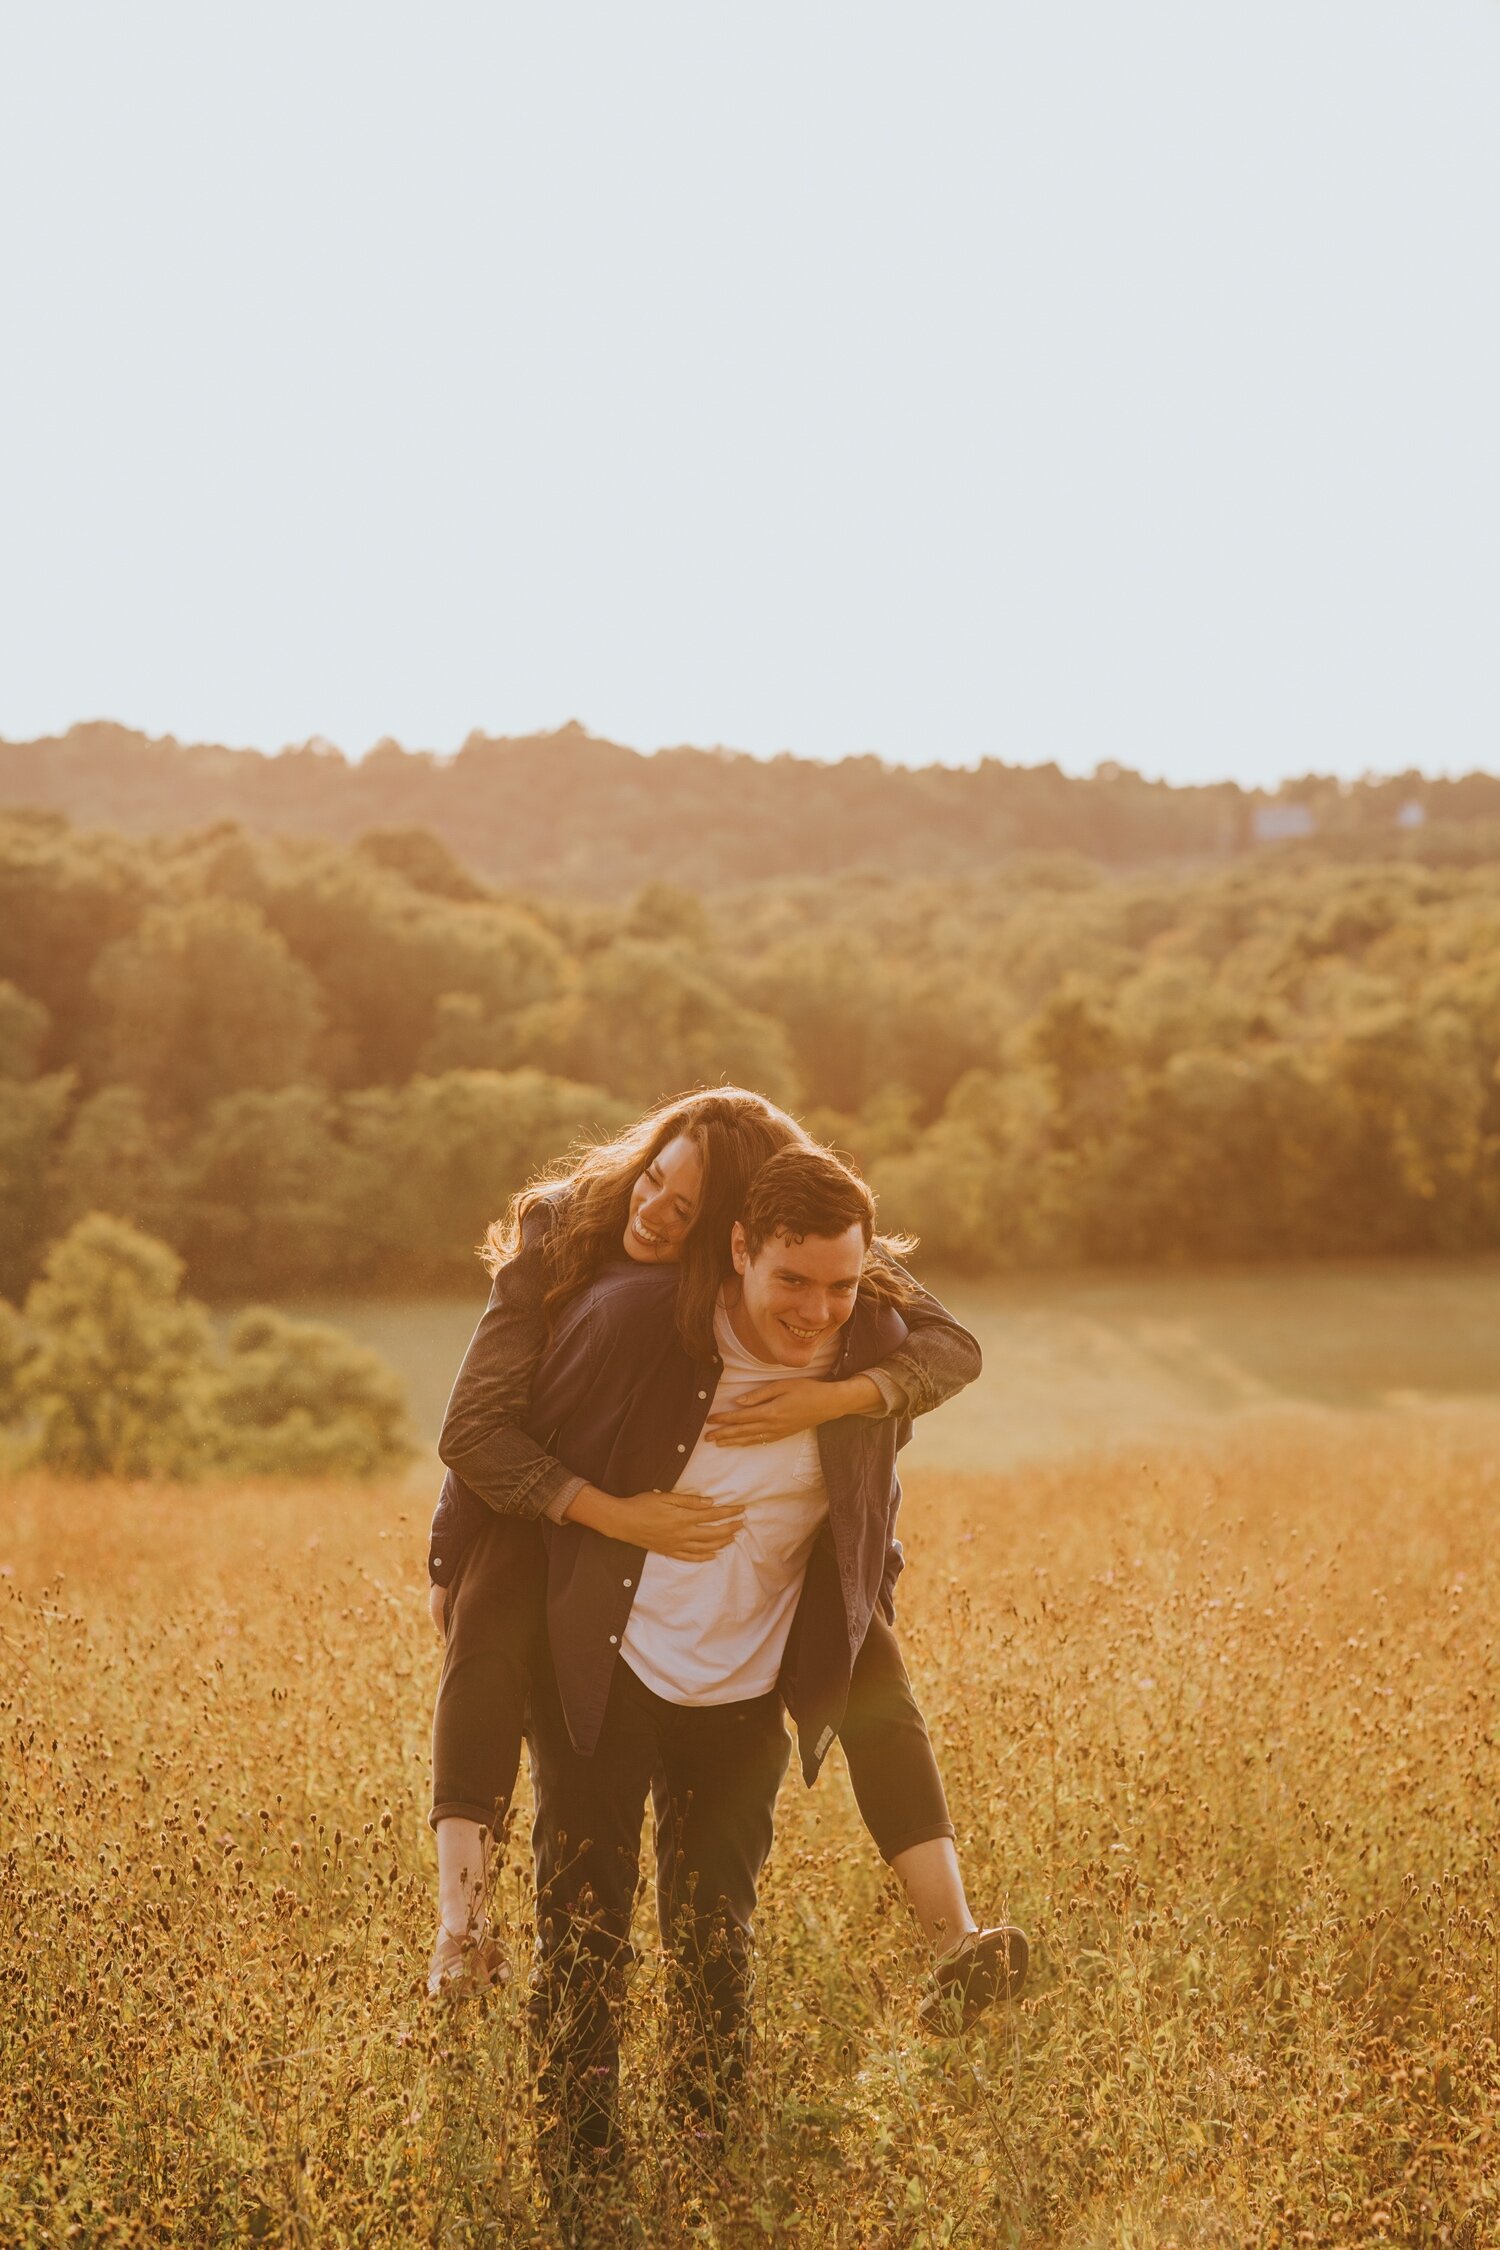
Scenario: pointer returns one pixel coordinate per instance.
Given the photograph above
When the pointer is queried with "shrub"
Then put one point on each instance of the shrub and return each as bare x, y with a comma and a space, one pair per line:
112, 1372
299, 1399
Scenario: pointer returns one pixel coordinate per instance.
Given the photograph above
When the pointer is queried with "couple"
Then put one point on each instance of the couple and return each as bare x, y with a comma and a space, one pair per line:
669, 1516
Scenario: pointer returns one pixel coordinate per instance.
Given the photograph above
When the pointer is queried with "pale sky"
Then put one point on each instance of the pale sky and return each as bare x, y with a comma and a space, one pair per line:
1064, 380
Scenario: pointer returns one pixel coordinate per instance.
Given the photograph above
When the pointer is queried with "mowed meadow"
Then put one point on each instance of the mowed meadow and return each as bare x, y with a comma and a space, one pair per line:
1218, 1721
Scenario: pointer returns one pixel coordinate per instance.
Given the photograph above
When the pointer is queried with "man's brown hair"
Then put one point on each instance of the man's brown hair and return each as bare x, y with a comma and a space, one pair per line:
803, 1191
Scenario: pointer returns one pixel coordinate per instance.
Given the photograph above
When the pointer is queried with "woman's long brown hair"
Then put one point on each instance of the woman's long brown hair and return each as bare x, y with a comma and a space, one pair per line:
733, 1130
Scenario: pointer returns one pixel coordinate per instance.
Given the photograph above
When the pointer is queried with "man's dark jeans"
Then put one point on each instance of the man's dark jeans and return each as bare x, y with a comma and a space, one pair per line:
713, 1773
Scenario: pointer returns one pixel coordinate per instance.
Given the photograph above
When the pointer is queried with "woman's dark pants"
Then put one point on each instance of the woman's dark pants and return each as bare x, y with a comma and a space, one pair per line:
496, 1625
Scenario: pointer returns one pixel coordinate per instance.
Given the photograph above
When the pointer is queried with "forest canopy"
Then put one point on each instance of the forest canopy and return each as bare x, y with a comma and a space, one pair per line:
571, 816
306, 1066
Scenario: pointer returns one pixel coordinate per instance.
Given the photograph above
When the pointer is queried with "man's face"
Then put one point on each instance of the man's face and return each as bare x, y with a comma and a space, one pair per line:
795, 1295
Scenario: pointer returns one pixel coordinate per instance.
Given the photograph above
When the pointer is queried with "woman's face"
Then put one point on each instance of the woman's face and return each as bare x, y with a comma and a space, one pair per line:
664, 1204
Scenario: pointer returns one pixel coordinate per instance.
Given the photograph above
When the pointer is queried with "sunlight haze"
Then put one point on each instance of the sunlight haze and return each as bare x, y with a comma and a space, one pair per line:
1066, 382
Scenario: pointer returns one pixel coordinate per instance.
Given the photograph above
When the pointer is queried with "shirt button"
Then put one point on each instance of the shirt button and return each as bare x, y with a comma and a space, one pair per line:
437, 1562
703, 1394
682, 1449
614, 1640
627, 1581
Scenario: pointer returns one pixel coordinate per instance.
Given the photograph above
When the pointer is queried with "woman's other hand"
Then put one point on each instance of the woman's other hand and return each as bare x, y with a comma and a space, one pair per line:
682, 1525
801, 1402
437, 1607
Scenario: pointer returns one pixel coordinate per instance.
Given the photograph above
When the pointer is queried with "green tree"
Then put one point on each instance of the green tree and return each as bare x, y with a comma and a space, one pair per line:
384, 955
467, 1036
31, 1115
23, 1031
420, 859
116, 1157
268, 1192
117, 1381
204, 999
987, 1185
436, 1160
661, 910
16, 1347
647, 1019
825, 991
64, 896
1422, 1092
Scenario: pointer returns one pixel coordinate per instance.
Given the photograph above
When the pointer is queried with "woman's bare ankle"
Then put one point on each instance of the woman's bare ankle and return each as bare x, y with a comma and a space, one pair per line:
463, 1863
932, 1879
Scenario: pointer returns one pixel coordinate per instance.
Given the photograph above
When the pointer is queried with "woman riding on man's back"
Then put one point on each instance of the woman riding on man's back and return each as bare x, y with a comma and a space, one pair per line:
668, 1192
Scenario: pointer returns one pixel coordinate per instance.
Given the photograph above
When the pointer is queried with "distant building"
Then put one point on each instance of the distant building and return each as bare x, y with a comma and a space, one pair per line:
1413, 814
1273, 824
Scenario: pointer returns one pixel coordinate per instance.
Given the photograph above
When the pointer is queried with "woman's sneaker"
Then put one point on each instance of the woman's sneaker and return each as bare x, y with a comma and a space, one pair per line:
464, 1964
985, 1966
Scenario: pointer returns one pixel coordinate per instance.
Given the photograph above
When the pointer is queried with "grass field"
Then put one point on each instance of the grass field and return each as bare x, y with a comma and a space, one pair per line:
1218, 1723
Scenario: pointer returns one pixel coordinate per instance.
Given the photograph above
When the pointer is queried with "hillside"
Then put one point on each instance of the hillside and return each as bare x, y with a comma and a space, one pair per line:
310, 1067
570, 814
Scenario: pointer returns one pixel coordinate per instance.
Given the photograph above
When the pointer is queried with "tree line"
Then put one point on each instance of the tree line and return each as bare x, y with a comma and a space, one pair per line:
572, 816
304, 1066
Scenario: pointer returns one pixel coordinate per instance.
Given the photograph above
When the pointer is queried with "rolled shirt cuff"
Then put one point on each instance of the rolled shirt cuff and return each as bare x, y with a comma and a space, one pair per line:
562, 1500
892, 1391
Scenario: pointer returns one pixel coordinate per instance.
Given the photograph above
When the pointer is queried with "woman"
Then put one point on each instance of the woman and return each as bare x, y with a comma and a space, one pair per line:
666, 1191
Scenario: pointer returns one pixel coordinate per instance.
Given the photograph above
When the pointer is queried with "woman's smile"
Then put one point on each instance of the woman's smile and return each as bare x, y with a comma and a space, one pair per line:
664, 1203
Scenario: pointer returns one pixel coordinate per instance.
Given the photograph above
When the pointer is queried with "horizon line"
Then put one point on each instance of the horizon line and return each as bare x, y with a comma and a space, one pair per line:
1104, 769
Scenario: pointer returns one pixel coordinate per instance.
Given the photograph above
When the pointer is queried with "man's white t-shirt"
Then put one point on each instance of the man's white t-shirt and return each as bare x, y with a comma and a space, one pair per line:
716, 1631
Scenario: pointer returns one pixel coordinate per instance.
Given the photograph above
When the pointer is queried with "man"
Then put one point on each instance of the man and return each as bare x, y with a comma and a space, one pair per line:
668, 1679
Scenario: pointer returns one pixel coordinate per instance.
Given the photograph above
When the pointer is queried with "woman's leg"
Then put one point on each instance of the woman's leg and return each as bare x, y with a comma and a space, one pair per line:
495, 1611
934, 1885
899, 1789
900, 1793
463, 1848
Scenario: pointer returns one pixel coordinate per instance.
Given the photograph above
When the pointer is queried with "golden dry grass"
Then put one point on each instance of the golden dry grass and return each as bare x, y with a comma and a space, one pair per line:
1219, 1728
